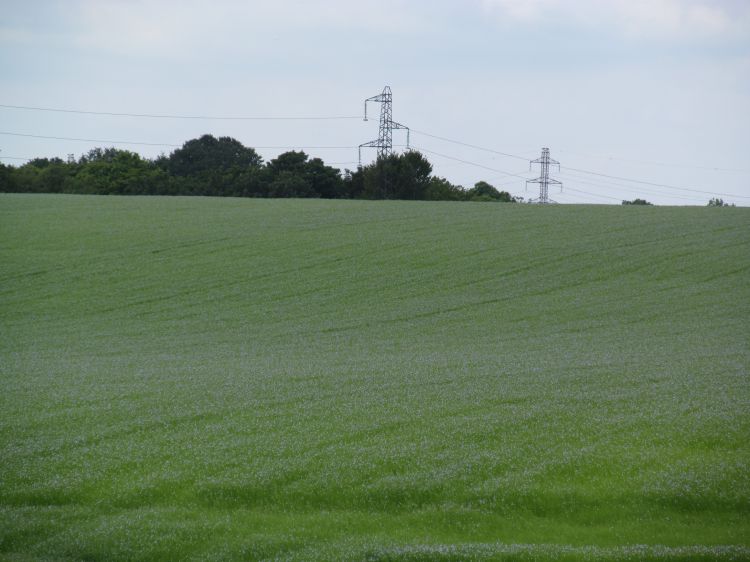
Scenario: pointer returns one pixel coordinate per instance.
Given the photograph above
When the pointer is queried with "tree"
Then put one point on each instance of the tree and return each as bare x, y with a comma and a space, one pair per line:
43, 163
440, 189
116, 172
414, 176
483, 191
378, 178
291, 174
289, 184
398, 176
292, 161
222, 166
99, 155
717, 202
209, 154
252, 182
28, 178
637, 202
54, 177
8, 183
325, 181
286, 176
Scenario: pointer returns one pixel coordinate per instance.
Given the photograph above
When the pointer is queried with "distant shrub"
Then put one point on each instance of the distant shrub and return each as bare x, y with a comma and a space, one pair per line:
717, 202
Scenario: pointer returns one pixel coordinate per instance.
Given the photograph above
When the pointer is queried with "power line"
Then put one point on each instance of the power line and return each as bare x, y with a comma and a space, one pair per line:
346, 117
144, 143
593, 194
581, 170
502, 184
107, 141
654, 163
713, 168
470, 145
632, 189
470, 163
87, 140
689, 198
303, 147
655, 184
195, 117
576, 179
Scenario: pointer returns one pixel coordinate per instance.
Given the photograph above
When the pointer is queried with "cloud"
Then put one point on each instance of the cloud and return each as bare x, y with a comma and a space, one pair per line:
138, 27
18, 36
524, 10
170, 27
635, 18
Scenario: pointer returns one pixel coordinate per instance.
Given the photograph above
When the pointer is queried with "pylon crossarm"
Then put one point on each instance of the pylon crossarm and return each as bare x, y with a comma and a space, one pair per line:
384, 144
395, 125
366, 145
378, 98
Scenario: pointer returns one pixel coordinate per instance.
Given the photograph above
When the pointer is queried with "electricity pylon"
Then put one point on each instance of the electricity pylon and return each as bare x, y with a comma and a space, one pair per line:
544, 180
384, 142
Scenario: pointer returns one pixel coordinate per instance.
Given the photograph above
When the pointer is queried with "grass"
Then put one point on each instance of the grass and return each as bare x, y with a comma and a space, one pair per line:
187, 378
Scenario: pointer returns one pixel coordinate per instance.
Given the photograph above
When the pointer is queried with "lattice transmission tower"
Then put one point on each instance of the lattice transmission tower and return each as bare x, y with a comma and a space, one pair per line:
384, 142
544, 180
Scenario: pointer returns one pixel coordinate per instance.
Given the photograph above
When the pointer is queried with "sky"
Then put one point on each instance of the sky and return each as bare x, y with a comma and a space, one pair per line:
641, 99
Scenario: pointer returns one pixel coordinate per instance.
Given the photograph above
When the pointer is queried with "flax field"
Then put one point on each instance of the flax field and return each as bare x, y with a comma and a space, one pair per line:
241, 379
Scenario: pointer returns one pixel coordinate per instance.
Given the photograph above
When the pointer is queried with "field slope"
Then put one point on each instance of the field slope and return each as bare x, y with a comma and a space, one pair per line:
187, 378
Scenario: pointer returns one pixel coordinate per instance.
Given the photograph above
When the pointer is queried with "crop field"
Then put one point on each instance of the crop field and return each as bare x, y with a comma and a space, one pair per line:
236, 379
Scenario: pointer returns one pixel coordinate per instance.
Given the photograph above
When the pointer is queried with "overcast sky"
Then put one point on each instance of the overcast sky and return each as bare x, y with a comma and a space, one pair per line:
650, 90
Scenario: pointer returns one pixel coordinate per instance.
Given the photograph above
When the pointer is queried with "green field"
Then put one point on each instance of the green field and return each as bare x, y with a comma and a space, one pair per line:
220, 379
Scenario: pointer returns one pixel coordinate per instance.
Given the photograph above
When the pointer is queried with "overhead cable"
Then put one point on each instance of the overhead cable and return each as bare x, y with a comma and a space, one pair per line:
108, 141
591, 172
654, 183
503, 172
195, 117
654, 163
87, 140
632, 188
470, 145
592, 194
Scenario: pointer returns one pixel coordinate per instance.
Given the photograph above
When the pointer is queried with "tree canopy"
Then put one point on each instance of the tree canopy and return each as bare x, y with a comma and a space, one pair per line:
223, 166
482, 191
209, 154
637, 202
719, 202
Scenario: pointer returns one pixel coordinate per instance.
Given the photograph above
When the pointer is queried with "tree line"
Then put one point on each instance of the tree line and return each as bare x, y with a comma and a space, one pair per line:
223, 166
